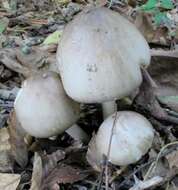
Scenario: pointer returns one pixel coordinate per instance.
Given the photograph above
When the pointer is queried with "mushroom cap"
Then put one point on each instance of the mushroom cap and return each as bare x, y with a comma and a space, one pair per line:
43, 108
99, 56
132, 137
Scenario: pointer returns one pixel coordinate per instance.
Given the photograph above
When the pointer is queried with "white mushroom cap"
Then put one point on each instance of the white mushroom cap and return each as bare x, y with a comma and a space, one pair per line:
102, 52
43, 108
132, 137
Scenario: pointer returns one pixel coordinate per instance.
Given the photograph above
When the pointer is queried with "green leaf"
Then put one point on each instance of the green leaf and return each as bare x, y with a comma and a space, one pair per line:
150, 4
161, 18
166, 4
3, 24
53, 38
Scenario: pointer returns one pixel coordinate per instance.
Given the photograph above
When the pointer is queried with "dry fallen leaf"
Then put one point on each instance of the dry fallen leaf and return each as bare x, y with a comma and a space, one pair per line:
37, 173
144, 23
164, 71
27, 64
141, 185
92, 155
172, 159
50, 161
18, 145
63, 174
9, 181
6, 160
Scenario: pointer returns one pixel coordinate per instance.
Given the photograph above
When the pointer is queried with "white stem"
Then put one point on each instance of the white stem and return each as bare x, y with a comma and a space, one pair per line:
108, 108
78, 133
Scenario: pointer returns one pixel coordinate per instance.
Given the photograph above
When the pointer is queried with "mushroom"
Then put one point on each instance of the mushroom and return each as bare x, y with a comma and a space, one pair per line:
132, 136
43, 108
102, 52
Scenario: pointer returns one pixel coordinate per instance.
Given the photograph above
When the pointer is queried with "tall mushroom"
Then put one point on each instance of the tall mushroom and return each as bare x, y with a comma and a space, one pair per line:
132, 137
43, 108
99, 57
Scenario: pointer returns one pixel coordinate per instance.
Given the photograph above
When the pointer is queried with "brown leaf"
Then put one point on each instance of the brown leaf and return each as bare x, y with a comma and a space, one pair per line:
8, 58
50, 161
63, 174
147, 100
164, 71
18, 145
38, 60
92, 156
37, 173
144, 23
9, 181
6, 160
172, 159
141, 185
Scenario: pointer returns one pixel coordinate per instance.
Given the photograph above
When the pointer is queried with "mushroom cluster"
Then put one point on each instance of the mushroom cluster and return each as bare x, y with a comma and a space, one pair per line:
103, 52
99, 57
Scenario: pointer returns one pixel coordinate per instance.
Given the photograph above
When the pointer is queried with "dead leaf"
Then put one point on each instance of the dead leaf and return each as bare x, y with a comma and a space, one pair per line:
63, 174
141, 185
8, 58
28, 64
92, 156
18, 145
6, 160
37, 173
143, 22
9, 181
164, 70
172, 159
50, 161
146, 100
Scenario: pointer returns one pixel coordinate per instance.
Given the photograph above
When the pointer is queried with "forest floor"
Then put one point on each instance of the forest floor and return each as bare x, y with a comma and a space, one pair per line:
29, 35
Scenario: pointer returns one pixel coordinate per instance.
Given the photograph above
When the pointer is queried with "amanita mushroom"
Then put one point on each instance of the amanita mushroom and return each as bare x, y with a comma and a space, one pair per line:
99, 57
43, 108
132, 137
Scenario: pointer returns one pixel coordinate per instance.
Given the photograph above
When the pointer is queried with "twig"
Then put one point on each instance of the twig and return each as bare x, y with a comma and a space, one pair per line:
147, 184
101, 178
154, 164
143, 166
108, 153
163, 53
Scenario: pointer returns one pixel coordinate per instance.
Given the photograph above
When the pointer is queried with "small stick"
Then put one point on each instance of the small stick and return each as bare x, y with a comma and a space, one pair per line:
108, 153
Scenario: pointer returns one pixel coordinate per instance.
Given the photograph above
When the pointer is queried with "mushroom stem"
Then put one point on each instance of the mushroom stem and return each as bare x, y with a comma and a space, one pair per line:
108, 108
78, 133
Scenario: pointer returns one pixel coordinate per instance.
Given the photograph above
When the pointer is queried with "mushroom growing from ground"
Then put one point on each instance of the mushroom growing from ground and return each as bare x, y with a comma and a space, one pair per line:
132, 137
43, 108
99, 57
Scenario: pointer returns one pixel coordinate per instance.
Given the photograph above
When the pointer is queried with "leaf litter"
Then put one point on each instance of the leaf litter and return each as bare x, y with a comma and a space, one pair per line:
29, 32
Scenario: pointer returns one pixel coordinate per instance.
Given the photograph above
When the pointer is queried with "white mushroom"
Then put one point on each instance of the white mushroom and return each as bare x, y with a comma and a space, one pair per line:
102, 52
43, 108
132, 137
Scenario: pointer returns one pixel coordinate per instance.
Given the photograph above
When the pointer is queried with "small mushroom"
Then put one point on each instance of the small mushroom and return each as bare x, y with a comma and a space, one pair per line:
131, 138
102, 52
43, 108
